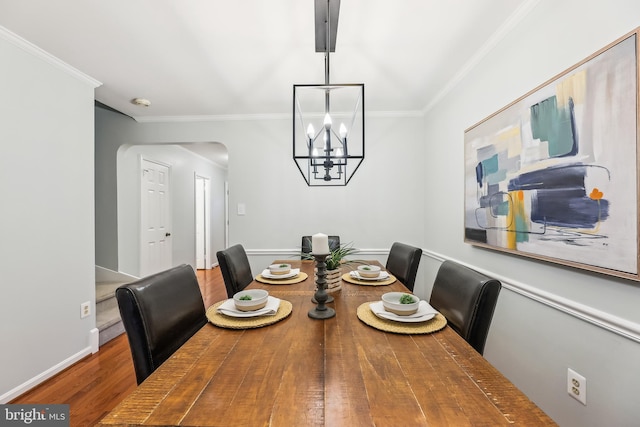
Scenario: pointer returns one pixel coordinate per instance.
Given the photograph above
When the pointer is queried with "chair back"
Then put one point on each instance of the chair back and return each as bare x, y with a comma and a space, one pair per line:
467, 299
403, 262
160, 313
235, 267
334, 243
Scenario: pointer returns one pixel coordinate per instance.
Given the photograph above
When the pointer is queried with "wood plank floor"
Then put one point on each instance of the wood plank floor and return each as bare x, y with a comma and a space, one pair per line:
96, 384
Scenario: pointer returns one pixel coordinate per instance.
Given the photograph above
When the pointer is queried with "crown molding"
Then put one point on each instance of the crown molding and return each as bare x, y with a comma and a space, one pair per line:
210, 118
250, 117
34, 50
516, 17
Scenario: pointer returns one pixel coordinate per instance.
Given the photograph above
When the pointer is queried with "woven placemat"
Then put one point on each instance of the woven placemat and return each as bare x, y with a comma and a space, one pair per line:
347, 278
229, 322
367, 316
301, 277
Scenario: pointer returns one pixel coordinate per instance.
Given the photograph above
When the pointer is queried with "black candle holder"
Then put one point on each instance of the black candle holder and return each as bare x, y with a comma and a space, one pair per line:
321, 311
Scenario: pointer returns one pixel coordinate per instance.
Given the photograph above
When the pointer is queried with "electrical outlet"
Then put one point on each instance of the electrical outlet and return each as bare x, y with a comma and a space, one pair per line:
577, 386
85, 309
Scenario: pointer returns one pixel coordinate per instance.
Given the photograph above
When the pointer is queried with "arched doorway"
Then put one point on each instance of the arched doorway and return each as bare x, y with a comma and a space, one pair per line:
187, 164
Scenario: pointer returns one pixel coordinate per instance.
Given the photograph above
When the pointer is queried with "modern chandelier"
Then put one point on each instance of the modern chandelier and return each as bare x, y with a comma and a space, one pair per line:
328, 119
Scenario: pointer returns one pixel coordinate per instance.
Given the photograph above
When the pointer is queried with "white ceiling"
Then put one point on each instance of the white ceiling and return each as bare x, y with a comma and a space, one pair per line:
196, 59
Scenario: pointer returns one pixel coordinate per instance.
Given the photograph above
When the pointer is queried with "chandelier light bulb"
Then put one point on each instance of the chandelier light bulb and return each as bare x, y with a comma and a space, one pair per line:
310, 131
343, 131
339, 152
314, 153
327, 121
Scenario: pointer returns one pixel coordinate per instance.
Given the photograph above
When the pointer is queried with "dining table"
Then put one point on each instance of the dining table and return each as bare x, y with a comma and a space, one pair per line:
352, 369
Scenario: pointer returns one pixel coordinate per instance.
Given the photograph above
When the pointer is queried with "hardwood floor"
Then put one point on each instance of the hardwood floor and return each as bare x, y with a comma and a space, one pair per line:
211, 286
96, 384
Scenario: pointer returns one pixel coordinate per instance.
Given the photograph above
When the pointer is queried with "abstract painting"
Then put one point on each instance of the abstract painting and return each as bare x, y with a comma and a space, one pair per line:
554, 174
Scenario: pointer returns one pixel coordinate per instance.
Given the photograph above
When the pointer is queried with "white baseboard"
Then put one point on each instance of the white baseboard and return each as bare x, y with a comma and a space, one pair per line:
23, 388
94, 340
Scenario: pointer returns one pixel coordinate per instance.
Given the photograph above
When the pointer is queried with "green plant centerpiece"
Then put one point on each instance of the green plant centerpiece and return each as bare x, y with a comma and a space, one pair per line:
334, 261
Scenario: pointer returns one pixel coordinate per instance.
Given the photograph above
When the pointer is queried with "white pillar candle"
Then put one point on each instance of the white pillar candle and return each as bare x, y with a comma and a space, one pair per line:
320, 244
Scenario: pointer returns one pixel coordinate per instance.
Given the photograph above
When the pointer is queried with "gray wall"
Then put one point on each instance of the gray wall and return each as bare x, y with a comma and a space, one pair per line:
46, 212
549, 318
111, 131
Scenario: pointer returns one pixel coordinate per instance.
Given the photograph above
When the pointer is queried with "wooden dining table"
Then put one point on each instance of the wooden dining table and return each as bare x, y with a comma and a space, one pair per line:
340, 371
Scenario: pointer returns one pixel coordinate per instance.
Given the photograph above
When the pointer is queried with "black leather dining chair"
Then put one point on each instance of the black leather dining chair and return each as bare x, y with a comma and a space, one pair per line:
467, 299
334, 243
235, 267
403, 262
160, 313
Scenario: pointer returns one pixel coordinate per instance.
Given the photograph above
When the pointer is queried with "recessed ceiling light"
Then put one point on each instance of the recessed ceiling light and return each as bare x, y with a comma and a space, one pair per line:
141, 102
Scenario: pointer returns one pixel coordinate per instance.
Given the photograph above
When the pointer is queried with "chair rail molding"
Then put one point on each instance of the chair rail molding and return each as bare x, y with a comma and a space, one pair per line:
599, 318
607, 321
296, 252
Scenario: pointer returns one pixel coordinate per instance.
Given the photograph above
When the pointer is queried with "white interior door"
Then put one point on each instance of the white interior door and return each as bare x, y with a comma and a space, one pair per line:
203, 221
155, 212
226, 214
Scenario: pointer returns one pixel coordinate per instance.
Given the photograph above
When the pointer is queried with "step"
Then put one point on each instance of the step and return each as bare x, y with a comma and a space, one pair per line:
108, 319
106, 290
110, 332
107, 313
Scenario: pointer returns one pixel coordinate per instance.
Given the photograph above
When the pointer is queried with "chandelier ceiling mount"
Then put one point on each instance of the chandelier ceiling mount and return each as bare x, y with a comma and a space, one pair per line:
327, 157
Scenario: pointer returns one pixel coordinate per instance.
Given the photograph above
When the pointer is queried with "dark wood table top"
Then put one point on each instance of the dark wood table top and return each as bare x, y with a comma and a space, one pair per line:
335, 372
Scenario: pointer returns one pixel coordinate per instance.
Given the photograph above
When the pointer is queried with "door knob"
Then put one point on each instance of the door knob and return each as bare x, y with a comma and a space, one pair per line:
167, 234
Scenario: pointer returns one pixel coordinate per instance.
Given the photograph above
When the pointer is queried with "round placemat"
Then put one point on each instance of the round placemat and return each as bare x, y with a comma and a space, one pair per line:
229, 322
347, 278
297, 279
367, 316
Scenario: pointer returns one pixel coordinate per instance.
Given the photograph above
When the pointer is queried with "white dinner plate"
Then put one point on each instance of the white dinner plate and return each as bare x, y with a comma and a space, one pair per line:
267, 274
228, 308
425, 312
383, 276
